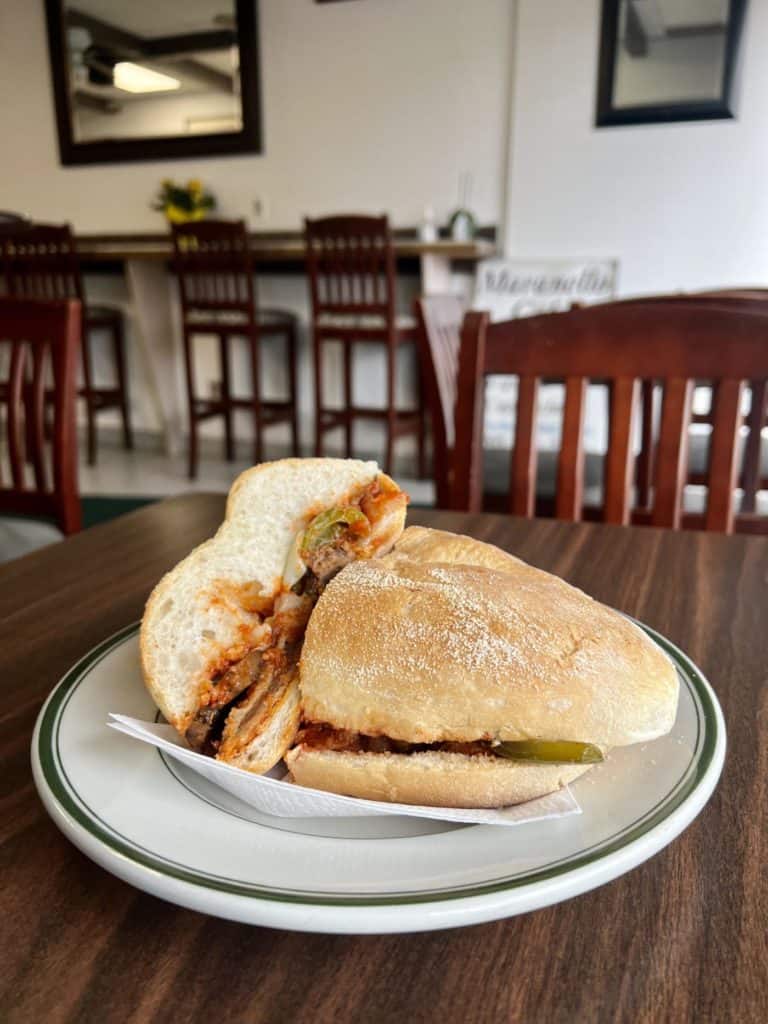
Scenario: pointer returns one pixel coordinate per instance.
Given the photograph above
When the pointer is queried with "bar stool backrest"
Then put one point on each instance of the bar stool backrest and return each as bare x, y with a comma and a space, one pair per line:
351, 265
213, 262
39, 261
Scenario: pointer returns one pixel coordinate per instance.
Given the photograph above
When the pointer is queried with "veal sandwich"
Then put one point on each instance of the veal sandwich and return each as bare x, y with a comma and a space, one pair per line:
453, 674
222, 632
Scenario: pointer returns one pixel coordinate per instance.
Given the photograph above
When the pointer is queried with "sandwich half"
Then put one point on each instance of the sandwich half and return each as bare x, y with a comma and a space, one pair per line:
222, 632
450, 673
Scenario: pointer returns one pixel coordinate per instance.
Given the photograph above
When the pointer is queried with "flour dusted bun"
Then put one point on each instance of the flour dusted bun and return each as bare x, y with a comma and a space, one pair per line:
426, 651
432, 778
449, 640
213, 610
419, 544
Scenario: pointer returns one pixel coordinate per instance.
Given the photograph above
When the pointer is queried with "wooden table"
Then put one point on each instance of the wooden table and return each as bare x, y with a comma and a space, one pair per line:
285, 248
682, 938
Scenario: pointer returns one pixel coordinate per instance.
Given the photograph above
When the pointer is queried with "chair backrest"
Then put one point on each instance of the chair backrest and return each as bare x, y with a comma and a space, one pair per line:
351, 266
757, 294
735, 300
39, 261
213, 261
10, 222
621, 345
440, 318
747, 299
40, 340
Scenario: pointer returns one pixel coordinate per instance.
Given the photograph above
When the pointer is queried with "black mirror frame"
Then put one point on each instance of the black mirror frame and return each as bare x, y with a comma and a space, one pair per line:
247, 140
705, 110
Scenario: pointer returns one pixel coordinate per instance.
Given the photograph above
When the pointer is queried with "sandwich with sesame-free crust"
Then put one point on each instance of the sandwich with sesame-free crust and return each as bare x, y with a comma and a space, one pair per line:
450, 673
221, 633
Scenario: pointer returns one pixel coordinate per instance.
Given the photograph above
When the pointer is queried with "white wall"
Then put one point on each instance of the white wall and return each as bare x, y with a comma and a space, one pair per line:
682, 206
380, 104
375, 105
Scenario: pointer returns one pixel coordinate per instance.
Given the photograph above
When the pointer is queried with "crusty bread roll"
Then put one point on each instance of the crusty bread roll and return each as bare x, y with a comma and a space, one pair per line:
212, 609
450, 639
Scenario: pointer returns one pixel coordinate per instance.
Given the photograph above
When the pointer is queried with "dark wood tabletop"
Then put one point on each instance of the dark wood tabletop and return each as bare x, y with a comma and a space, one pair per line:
681, 938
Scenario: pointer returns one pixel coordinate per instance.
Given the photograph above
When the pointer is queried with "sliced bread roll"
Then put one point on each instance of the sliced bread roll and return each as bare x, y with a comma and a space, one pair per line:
215, 608
454, 644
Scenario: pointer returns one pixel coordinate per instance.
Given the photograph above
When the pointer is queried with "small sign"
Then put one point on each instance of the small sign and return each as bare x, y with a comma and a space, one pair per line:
511, 288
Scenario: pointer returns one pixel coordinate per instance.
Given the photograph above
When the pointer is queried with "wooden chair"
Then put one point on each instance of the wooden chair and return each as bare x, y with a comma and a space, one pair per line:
439, 318
218, 296
39, 339
10, 222
674, 344
351, 265
751, 478
39, 261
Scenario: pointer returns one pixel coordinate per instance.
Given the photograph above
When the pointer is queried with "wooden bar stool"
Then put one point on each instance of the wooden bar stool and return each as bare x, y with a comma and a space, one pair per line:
39, 261
351, 266
218, 296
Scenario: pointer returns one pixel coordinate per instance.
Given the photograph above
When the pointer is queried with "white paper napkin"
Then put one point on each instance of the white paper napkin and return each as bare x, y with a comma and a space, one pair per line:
274, 794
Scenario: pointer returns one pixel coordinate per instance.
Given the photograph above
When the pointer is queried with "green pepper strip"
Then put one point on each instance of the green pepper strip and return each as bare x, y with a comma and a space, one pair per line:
330, 525
550, 751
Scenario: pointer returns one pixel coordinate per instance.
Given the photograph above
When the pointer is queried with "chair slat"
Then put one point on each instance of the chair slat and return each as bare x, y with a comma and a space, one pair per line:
645, 458
467, 484
722, 456
524, 456
15, 414
619, 461
35, 409
756, 420
672, 467
570, 464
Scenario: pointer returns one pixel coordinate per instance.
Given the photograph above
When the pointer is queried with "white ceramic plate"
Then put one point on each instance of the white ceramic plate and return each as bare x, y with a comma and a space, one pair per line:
164, 829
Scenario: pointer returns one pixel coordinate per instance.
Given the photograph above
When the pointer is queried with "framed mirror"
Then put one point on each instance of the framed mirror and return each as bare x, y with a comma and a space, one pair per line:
667, 60
154, 79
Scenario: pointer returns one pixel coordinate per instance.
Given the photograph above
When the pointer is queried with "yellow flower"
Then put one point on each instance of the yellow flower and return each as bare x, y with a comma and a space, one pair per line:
195, 186
175, 215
